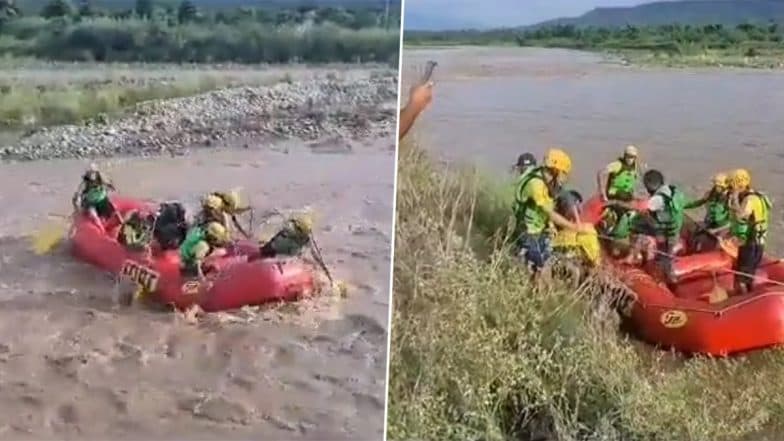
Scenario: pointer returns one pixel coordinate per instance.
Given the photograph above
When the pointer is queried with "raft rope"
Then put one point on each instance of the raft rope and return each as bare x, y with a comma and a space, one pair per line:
727, 270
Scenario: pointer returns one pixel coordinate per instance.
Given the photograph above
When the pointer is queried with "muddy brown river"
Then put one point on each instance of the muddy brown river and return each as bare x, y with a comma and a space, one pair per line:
73, 364
491, 104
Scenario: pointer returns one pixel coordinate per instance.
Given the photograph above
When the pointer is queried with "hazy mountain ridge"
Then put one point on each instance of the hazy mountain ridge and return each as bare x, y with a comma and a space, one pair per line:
694, 12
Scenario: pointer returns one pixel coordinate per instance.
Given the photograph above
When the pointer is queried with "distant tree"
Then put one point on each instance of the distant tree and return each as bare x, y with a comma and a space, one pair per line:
144, 8
58, 8
187, 12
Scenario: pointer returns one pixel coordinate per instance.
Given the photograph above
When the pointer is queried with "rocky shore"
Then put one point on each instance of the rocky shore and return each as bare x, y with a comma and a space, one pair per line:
308, 109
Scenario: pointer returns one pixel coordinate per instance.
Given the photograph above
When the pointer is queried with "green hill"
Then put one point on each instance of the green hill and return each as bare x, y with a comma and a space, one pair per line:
693, 12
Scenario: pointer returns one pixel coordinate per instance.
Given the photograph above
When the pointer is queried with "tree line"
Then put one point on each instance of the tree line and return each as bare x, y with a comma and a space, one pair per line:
178, 31
750, 38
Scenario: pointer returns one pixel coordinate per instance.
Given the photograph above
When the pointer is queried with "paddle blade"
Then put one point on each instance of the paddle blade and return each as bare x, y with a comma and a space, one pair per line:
46, 239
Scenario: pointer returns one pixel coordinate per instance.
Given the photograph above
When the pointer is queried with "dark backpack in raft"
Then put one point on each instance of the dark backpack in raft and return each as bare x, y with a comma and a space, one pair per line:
170, 226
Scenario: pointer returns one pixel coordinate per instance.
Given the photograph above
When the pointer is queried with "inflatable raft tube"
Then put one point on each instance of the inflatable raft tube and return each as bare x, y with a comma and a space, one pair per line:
698, 313
239, 279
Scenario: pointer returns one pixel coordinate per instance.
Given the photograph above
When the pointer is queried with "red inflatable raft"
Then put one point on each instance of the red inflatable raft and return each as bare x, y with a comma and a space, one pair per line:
681, 315
237, 281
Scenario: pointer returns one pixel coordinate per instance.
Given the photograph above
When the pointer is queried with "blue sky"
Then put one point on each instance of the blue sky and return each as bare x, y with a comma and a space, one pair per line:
497, 13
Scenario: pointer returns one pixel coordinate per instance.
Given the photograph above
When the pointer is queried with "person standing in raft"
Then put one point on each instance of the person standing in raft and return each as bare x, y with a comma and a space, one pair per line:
750, 213
202, 242
222, 207
661, 218
618, 180
92, 197
535, 208
717, 214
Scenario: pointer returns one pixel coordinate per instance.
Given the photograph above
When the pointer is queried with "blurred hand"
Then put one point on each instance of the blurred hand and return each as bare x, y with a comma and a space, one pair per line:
585, 228
421, 96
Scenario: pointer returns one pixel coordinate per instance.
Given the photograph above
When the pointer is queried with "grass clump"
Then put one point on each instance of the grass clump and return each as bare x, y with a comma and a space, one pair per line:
34, 94
30, 106
478, 353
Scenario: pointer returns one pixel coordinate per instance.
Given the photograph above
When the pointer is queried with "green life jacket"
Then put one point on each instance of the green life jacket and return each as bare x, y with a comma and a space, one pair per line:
748, 229
623, 181
194, 236
132, 236
95, 194
669, 221
289, 241
717, 213
531, 219
620, 223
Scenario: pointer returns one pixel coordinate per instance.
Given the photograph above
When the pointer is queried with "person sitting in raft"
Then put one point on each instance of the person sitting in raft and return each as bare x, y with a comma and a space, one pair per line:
661, 218
618, 180
717, 214
525, 162
200, 243
222, 207
750, 214
535, 208
92, 197
616, 228
170, 225
581, 246
568, 204
291, 240
134, 233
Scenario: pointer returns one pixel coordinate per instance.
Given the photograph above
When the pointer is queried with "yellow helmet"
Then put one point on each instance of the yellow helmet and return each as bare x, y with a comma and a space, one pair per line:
213, 201
217, 232
304, 222
232, 200
557, 159
721, 180
741, 178
631, 150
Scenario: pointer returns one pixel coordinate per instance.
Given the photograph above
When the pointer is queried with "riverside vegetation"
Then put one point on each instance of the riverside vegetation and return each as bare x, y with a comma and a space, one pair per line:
478, 353
742, 45
159, 32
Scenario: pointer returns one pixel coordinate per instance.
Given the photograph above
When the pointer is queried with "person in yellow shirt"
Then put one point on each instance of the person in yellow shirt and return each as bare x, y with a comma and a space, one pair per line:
619, 179
750, 216
535, 208
584, 248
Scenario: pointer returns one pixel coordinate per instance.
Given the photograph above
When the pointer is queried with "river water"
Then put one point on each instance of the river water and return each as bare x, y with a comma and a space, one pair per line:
491, 104
73, 364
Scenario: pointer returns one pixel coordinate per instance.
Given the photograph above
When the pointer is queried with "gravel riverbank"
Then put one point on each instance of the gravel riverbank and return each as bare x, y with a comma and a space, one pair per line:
349, 106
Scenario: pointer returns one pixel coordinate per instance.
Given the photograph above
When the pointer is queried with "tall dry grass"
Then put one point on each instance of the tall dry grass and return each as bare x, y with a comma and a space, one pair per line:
478, 353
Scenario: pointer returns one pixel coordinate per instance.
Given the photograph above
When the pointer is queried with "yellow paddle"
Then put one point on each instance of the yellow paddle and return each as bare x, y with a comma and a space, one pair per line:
50, 235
